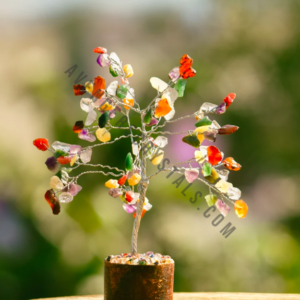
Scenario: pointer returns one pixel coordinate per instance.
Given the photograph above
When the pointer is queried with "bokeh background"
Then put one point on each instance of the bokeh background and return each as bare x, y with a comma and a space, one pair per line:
248, 47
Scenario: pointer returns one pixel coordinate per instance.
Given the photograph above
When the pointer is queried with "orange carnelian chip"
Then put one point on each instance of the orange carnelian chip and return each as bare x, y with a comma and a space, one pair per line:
241, 208
78, 89
130, 102
98, 94
99, 83
185, 70
100, 50
163, 108
63, 160
143, 212
77, 129
99, 86
229, 99
41, 144
214, 155
186, 59
231, 164
188, 73
129, 196
122, 180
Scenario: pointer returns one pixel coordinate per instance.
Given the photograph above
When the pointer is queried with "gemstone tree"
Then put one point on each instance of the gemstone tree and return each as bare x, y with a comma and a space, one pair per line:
102, 105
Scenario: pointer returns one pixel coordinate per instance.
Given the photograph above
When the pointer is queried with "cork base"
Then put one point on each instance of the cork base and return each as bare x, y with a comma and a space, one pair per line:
138, 282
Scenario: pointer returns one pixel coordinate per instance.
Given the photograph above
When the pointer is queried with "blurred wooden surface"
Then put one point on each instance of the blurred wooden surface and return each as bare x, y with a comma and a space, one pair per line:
204, 296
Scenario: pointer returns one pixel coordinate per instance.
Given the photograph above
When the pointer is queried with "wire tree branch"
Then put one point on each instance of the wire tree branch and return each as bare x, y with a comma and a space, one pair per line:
111, 142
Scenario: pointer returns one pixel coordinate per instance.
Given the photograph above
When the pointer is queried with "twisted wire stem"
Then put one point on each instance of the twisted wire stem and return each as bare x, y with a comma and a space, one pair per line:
116, 139
101, 166
96, 172
142, 188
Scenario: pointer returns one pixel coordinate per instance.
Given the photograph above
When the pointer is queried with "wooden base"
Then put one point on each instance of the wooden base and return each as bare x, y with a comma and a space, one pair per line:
203, 296
138, 282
